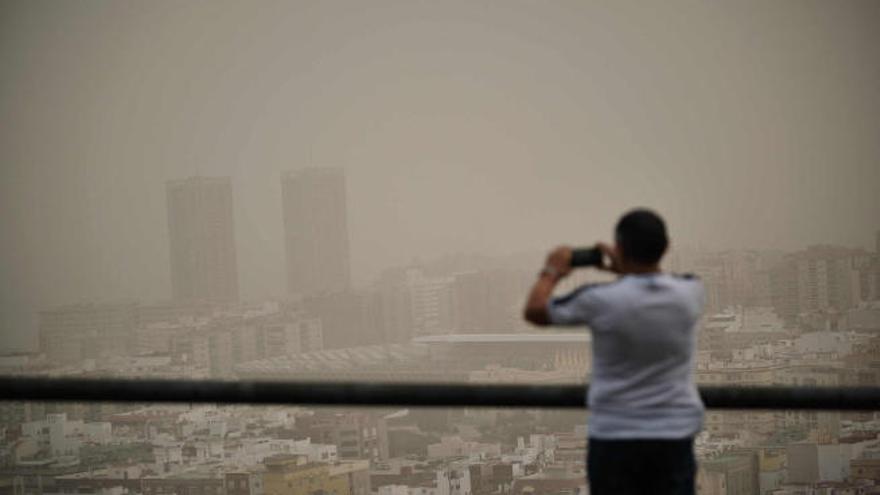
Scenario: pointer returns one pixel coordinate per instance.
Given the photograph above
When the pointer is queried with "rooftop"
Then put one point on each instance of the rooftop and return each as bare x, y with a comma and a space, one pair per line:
492, 338
353, 358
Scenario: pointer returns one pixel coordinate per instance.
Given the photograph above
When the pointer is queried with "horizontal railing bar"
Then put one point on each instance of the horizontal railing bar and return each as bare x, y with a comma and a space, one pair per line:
406, 394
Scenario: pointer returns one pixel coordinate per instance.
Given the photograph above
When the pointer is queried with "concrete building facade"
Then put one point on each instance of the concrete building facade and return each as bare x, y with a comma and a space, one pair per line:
316, 230
201, 234
69, 334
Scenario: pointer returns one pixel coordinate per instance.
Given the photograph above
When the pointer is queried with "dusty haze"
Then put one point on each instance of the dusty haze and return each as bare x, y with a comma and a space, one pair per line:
482, 127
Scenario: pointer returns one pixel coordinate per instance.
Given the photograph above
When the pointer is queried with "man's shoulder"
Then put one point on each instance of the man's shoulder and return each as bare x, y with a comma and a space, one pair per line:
691, 280
687, 280
691, 286
584, 290
671, 286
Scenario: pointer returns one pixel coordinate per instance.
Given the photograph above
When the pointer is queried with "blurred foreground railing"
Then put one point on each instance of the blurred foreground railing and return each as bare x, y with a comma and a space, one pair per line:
397, 394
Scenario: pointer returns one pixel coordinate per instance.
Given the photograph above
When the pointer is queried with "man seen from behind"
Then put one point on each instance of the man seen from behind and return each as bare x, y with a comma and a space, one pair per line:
644, 406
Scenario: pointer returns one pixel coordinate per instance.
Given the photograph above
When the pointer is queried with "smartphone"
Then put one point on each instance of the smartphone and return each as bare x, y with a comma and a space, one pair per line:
591, 256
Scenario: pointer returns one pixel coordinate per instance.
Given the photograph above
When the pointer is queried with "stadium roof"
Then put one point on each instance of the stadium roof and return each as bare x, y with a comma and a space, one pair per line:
353, 358
494, 338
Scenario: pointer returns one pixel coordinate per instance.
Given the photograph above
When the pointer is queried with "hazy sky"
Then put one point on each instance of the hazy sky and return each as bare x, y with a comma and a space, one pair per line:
471, 126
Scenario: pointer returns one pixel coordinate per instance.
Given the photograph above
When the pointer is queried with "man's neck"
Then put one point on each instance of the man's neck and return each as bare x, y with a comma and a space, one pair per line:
640, 269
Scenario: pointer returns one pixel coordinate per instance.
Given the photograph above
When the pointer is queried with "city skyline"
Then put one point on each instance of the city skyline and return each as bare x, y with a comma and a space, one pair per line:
466, 270
462, 128
198, 200
815, 286
306, 184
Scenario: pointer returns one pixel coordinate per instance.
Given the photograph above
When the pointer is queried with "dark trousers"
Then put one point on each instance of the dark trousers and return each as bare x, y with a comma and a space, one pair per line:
623, 467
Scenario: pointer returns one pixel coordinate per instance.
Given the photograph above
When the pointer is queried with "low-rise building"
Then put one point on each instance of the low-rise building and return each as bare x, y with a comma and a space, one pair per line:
457, 447
58, 436
732, 473
295, 475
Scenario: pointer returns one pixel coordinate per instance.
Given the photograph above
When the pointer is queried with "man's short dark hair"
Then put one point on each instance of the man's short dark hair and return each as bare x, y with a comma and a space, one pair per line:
641, 234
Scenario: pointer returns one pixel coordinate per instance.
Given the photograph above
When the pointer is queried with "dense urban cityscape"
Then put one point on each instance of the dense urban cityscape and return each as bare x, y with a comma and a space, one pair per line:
321, 247
809, 317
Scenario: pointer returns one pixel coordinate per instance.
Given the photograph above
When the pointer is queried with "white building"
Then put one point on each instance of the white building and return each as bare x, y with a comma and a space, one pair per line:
431, 300
456, 480
60, 437
865, 317
456, 447
167, 451
251, 451
823, 343
812, 463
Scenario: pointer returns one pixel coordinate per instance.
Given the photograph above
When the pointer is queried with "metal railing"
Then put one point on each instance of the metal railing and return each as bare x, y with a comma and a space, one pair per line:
397, 394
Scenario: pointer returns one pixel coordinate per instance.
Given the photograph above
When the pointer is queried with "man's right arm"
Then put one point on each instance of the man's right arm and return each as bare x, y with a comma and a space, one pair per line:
557, 266
539, 297
576, 308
